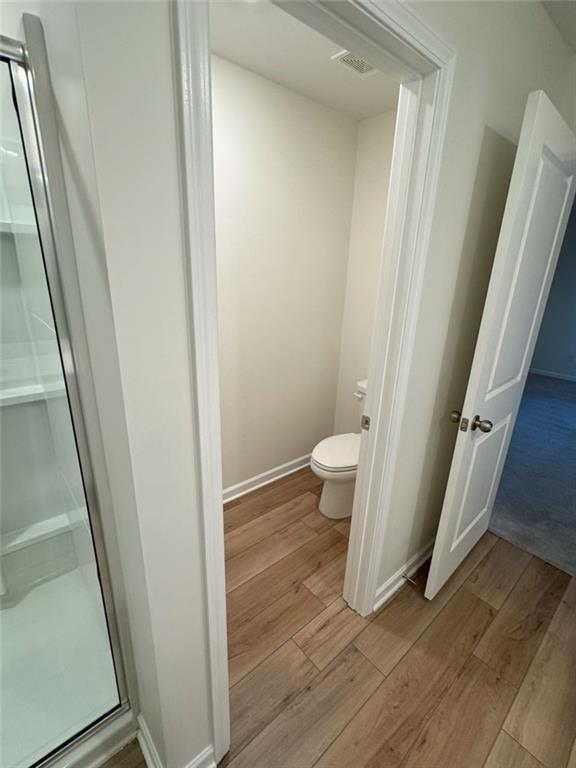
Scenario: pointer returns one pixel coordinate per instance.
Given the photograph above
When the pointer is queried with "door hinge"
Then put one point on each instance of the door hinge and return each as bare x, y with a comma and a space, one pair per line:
365, 422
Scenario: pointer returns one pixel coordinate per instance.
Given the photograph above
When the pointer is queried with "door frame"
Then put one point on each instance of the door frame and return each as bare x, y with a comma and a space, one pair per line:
391, 35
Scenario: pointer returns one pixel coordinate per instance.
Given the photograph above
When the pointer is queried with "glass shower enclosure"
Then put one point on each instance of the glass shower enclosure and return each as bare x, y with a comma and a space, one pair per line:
59, 669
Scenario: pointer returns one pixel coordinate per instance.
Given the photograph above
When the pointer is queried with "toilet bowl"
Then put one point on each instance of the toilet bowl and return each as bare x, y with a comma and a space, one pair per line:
335, 460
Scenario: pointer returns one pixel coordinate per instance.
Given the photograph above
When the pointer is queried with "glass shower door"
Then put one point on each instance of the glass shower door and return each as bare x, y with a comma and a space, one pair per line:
57, 673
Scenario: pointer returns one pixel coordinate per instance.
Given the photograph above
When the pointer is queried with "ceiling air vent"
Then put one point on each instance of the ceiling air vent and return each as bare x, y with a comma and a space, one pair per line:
356, 64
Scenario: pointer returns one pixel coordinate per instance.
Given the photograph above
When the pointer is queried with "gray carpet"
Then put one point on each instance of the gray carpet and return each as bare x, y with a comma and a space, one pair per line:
535, 507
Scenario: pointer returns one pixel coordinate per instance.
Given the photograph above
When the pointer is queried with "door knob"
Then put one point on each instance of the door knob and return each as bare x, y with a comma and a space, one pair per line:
455, 416
484, 425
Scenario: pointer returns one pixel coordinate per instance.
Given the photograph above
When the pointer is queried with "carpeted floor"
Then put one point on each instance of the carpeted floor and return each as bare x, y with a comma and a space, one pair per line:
535, 507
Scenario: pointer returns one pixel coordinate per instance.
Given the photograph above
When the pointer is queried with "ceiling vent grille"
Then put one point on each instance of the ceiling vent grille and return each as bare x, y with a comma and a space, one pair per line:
354, 63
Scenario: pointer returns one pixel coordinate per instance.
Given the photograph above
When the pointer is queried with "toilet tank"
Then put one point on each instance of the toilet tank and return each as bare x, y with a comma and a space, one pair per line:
360, 395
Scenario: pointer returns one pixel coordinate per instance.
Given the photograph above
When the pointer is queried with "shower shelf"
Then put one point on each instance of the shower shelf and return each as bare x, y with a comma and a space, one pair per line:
44, 529
28, 393
18, 227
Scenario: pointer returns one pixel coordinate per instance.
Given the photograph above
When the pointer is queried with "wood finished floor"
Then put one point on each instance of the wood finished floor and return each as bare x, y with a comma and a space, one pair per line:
484, 675
128, 757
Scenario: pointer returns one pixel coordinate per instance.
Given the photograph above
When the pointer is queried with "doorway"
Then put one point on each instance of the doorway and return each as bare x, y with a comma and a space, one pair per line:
303, 148
394, 39
535, 507
302, 155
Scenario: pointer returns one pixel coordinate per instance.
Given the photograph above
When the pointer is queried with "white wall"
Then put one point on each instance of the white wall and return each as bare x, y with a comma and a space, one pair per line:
131, 97
504, 51
555, 352
284, 170
375, 140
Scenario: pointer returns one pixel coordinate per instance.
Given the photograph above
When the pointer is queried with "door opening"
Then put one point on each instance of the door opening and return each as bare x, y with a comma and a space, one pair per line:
394, 39
302, 155
536, 500
303, 148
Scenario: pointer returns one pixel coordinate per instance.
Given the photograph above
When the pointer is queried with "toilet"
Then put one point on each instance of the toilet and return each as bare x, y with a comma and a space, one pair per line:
335, 460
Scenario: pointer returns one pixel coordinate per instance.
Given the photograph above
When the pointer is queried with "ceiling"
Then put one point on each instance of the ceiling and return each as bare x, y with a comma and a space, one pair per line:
264, 39
563, 14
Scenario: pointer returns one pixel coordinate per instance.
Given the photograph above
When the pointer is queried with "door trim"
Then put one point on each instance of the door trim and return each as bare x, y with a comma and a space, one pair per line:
392, 34
420, 128
192, 45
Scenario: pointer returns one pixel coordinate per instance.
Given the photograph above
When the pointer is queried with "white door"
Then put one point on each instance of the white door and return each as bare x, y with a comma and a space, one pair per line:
537, 209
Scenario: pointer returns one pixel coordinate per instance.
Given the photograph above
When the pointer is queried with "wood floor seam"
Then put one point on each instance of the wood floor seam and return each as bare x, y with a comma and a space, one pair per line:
303, 535
522, 746
310, 659
320, 757
516, 687
304, 597
532, 557
231, 593
275, 520
441, 611
491, 669
370, 660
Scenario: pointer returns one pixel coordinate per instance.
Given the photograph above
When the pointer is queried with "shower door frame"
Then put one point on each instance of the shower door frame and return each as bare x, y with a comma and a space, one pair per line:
38, 128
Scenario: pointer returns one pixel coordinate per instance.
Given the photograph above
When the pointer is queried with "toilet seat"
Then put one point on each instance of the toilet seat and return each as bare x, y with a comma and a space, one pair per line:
338, 454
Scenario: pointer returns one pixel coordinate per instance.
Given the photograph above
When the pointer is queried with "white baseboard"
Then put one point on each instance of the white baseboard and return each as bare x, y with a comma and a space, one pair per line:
266, 477
397, 580
553, 374
151, 756
204, 759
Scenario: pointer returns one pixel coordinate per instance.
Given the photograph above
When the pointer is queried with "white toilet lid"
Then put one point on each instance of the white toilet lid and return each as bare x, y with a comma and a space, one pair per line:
338, 453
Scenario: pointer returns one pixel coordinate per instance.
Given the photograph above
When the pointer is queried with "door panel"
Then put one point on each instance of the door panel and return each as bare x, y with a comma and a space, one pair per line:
478, 492
531, 274
537, 209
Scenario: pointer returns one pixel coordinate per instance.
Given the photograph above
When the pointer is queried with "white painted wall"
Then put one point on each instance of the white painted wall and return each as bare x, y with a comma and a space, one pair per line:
284, 173
130, 92
505, 50
375, 139
555, 352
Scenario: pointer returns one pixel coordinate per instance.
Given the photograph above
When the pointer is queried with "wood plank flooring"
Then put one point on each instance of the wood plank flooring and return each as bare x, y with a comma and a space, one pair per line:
128, 757
484, 676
